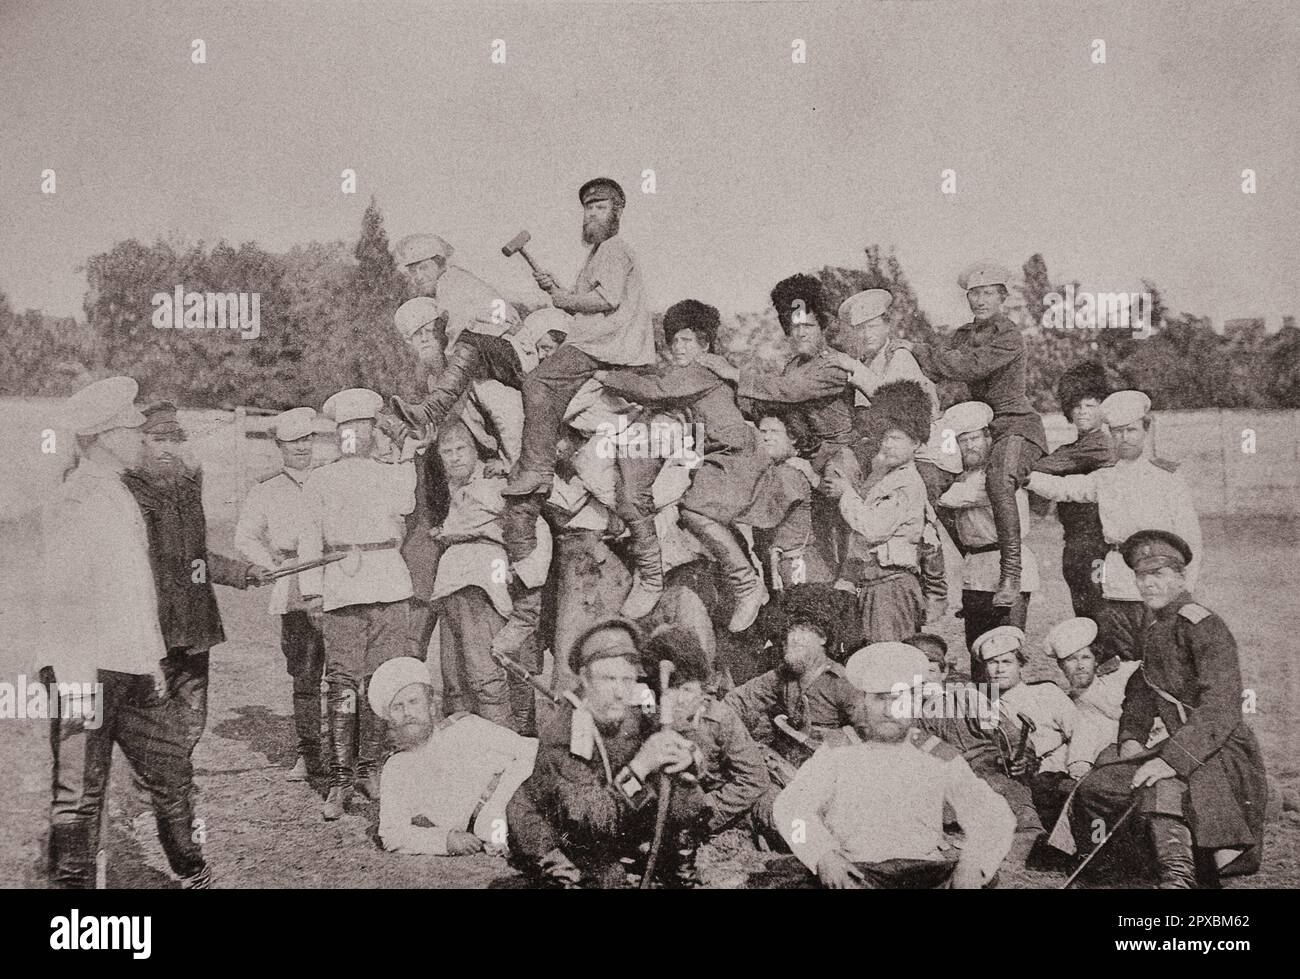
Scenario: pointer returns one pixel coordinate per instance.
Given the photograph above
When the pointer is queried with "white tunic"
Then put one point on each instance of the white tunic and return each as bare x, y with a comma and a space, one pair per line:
1096, 724
101, 608
269, 527
1130, 496
1053, 713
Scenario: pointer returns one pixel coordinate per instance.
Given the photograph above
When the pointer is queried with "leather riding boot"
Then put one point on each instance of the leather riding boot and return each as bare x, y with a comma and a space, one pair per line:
1006, 518
934, 581
648, 581
684, 873
463, 366
747, 587
519, 524
343, 706
306, 723
1172, 839
370, 752
72, 864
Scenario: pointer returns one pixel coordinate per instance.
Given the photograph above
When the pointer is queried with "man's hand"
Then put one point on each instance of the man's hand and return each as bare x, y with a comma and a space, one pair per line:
663, 749
160, 681
257, 576
833, 484
718, 365
1130, 748
461, 843
842, 360
1019, 766
559, 868
495, 469
599, 376
315, 609
545, 281
966, 877
1152, 771
837, 872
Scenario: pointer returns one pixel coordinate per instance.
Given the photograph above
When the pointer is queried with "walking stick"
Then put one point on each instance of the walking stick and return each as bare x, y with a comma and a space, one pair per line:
1097, 849
665, 780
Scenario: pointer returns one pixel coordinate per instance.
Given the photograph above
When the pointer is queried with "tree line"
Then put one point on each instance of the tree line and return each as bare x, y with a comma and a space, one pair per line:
326, 323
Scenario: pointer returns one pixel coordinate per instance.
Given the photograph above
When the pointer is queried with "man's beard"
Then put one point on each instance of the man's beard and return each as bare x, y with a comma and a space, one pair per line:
888, 732
603, 229
411, 735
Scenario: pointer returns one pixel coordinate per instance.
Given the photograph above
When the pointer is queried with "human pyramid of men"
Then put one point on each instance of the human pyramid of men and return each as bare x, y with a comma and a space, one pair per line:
814, 499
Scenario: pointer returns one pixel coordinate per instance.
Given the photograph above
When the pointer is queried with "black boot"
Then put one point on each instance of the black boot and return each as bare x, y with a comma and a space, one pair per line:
1172, 840
72, 862
343, 707
648, 582
683, 874
1006, 518
721, 543
463, 366
370, 751
306, 723
934, 581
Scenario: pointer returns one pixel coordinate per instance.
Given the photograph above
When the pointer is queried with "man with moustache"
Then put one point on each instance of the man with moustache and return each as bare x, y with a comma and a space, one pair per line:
781, 514
1098, 694
267, 533
1201, 790
591, 798
1139, 492
989, 355
1080, 393
871, 814
447, 786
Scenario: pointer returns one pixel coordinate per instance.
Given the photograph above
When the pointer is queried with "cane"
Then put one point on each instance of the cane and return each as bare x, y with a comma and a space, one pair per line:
665, 780
1097, 849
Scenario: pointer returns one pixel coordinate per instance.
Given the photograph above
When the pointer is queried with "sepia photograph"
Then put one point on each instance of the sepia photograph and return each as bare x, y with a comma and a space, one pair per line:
754, 446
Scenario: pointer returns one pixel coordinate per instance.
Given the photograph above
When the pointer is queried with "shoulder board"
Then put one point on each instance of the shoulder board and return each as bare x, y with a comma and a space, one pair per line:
1165, 464
1110, 666
932, 744
1194, 613
450, 719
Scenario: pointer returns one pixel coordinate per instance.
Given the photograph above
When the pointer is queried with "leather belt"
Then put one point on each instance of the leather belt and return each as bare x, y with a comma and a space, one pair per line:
983, 548
376, 545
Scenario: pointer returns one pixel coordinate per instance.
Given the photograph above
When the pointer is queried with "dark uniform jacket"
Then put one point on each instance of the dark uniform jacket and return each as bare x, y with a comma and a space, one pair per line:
990, 357
1189, 656
1093, 451
569, 804
172, 505
814, 398
731, 768
822, 702
723, 485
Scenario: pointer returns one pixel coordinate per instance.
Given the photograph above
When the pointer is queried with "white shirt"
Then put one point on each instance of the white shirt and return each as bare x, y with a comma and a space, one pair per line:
1096, 723
466, 761
983, 572
101, 602
357, 501
1053, 714
1130, 496
875, 802
269, 527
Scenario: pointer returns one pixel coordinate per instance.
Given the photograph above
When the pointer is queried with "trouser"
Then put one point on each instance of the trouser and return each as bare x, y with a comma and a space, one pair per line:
591, 583
1119, 624
424, 620
304, 659
471, 679
1010, 461
979, 615
473, 357
900, 873
891, 608
358, 639
1103, 795
547, 391
186, 673
151, 733
1050, 790
1081, 561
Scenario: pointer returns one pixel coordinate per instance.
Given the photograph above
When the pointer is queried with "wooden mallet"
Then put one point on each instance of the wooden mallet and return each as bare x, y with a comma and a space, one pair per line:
515, 246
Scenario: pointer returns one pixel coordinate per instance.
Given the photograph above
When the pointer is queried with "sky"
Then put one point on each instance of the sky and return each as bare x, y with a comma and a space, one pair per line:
762, 166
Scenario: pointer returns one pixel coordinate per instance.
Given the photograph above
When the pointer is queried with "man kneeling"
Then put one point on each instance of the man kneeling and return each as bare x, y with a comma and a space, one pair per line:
446, 788
871, 814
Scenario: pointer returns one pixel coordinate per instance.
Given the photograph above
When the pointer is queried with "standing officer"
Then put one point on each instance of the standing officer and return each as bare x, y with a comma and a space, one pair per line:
968, 513
1203, 787
1080, 393
989, 355
1137, 493
357, 506
101, 629
267, 533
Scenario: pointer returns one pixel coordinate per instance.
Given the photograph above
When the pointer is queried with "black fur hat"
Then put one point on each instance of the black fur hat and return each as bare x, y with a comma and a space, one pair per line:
691, 314
1083, 380
800, 292
903, 405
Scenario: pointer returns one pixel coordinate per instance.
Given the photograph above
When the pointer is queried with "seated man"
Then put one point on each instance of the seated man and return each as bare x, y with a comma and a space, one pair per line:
1042, 708
781, 514
591, 798
1203, 787
871, 814
728, 762
1098, 694
446, 788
